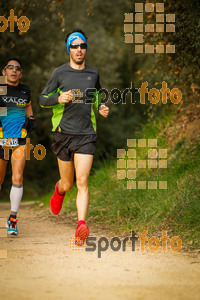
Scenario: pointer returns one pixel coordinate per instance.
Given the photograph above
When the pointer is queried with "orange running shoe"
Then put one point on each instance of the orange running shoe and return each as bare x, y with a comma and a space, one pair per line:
56, 201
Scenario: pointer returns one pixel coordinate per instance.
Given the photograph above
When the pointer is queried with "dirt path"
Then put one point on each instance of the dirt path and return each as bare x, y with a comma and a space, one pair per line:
41, 265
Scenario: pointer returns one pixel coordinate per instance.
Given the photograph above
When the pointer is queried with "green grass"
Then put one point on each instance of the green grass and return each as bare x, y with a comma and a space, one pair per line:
176, 209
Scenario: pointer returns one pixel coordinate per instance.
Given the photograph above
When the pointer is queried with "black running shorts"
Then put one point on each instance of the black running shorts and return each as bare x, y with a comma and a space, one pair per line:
65, 145
21, 141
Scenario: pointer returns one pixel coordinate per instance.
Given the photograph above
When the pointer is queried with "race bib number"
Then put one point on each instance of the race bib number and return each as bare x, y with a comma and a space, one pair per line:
9, 142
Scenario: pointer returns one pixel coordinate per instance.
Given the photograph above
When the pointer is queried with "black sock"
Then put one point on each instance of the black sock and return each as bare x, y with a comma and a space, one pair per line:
13, 215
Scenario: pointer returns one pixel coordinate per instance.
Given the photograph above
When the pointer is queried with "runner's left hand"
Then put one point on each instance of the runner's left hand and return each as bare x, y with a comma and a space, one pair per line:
30, 124
104, 110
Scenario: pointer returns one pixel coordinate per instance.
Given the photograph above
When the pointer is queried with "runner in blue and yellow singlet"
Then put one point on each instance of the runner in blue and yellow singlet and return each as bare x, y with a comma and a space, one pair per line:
16, 119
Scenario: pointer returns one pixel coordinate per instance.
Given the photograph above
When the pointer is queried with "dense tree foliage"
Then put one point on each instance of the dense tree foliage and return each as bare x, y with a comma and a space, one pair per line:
42, 49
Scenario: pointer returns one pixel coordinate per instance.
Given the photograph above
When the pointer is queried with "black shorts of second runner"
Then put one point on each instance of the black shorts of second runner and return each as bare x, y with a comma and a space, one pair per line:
65, 145
21, 142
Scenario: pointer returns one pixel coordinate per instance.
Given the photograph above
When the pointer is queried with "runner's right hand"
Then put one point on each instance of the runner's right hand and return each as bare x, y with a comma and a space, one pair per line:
65, 97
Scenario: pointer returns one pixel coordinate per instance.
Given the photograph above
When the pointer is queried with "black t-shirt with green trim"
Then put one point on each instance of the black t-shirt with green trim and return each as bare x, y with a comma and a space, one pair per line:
76, 117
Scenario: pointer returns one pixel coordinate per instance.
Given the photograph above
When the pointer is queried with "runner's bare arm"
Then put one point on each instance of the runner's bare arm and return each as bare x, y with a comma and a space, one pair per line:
29, 111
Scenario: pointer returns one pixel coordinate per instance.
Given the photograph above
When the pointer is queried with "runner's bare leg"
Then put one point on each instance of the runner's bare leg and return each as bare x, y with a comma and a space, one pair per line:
18, 160
66, 169
18, 166
83, 164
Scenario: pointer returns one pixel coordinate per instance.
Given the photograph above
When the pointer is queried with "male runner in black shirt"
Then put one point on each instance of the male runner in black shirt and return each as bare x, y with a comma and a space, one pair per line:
13, 132
74, 125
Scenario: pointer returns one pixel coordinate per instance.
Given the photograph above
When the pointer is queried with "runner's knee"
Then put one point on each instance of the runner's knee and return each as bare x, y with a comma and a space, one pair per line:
82, 182
17, 178
67, 186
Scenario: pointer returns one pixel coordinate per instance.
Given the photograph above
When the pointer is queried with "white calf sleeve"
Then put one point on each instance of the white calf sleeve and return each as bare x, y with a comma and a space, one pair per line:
16, 194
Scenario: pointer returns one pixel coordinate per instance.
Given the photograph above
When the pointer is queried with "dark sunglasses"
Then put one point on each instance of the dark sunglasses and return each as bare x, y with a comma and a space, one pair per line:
75, 46
12, 67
